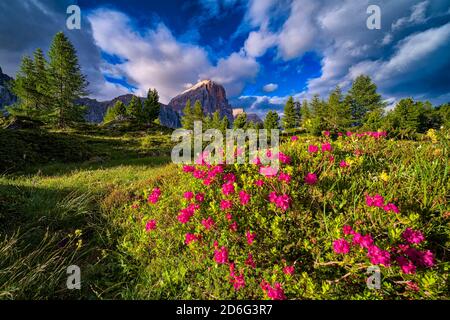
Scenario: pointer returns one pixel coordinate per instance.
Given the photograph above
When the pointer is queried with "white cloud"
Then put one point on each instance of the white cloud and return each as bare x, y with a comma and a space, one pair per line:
258, 42
270, 87
418, 15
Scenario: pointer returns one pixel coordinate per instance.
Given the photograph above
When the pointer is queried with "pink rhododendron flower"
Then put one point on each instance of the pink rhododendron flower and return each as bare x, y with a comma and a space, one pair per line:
221, 256
391, 207
229, 216
375, 201
207, 181
259, 183
284, 177
407, 266
284, 158
326, 133
343, 164
269, 154
283, 201
226, 204
200, 197
229, 177
237, 280
294, 138
326, 147
349, 134
347, 230
313, 148
250, 237
289, 270
275, 293
244, 197
199, 174
379, 256
189, 238
249, 261
310, 178
150, 225
412, 236
208, 223
188, 168
228, 188
234, 226
187, 213
268, 171
341, 246
411, 285
154, 196
188, 195
256, 161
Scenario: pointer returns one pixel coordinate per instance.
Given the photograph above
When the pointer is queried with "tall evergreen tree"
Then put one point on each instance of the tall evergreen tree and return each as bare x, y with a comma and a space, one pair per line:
134, 109
338, 112
298, 113
197, 112
117, 110
225, 124
66, 82
363, 98
305, 113
272, 120
24, 87
216, 121
150, 109
41, 81
241, 121
289, 116
187, 120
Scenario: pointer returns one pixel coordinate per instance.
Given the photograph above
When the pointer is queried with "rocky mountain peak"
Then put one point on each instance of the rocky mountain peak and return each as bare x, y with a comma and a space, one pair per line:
211, 95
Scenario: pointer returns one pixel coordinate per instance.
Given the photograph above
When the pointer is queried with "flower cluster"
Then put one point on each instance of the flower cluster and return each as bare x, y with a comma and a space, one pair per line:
378, 201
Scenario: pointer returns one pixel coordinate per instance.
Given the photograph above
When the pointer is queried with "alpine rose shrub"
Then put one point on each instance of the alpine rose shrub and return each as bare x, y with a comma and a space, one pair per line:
253, 231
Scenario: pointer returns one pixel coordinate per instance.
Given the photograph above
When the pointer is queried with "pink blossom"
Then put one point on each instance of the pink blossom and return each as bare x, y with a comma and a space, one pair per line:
284, 158
250, 237
326, 133
249, 261
244, 197
275, 293
188, 168
412, 236
294, 138
379, 256
226, 204
150, 225
228, 188
391, 207
313, 148
154, 196
406, 265
259, 183
229, 216
341, 246
207, 181
190, 238
347, 230
200, 197
221, 256
234, 226
188, 195
375, 201
310, 178
343, 164
268, 171
283, 201
284, 177
289, 270
199, 174
208, 223
326, 147
229, 177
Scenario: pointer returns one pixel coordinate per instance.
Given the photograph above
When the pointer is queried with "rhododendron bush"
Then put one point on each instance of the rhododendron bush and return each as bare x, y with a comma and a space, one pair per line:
337, 205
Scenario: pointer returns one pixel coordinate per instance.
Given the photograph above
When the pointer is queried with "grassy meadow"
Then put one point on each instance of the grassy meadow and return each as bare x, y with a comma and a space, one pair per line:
140, 227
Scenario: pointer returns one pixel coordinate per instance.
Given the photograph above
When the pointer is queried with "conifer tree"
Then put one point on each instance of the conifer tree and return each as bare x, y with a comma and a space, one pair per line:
289, 116
187, 120
66, 82
241, 121
272, 120
197, 112
150, 109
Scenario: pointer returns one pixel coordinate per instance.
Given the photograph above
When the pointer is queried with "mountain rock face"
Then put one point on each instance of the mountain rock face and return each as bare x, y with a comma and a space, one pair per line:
251, 117
6, 96
211, 95
97, 110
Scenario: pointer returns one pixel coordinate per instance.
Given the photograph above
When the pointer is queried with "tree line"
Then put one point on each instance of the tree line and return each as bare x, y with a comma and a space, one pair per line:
48, 90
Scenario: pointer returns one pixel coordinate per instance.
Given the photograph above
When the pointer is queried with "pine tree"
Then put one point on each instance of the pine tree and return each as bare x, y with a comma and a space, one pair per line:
272, 120
298, 113
187, 120
363, 98
66, 82
305, 113
338, 112
198, 111
134, 109
24, 87
41, 81
150, 109
216, 121
225, 124
318, 114
117, 110
241, 121
289, 116
207, 122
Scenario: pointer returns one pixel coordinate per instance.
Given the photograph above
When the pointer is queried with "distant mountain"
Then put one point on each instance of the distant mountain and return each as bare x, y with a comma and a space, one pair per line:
251, 117
211, 95
97, 109
6, 96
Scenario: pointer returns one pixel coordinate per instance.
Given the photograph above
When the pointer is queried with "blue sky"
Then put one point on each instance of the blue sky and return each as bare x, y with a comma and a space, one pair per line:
262, 51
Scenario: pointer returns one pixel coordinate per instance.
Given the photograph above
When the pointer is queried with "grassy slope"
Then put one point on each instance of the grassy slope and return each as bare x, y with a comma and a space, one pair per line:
42, 207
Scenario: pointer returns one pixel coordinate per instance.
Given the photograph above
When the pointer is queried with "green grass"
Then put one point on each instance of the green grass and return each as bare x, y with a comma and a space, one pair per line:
56, 214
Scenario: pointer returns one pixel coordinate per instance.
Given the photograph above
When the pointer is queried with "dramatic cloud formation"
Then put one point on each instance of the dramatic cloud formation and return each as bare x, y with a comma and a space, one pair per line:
262, 51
